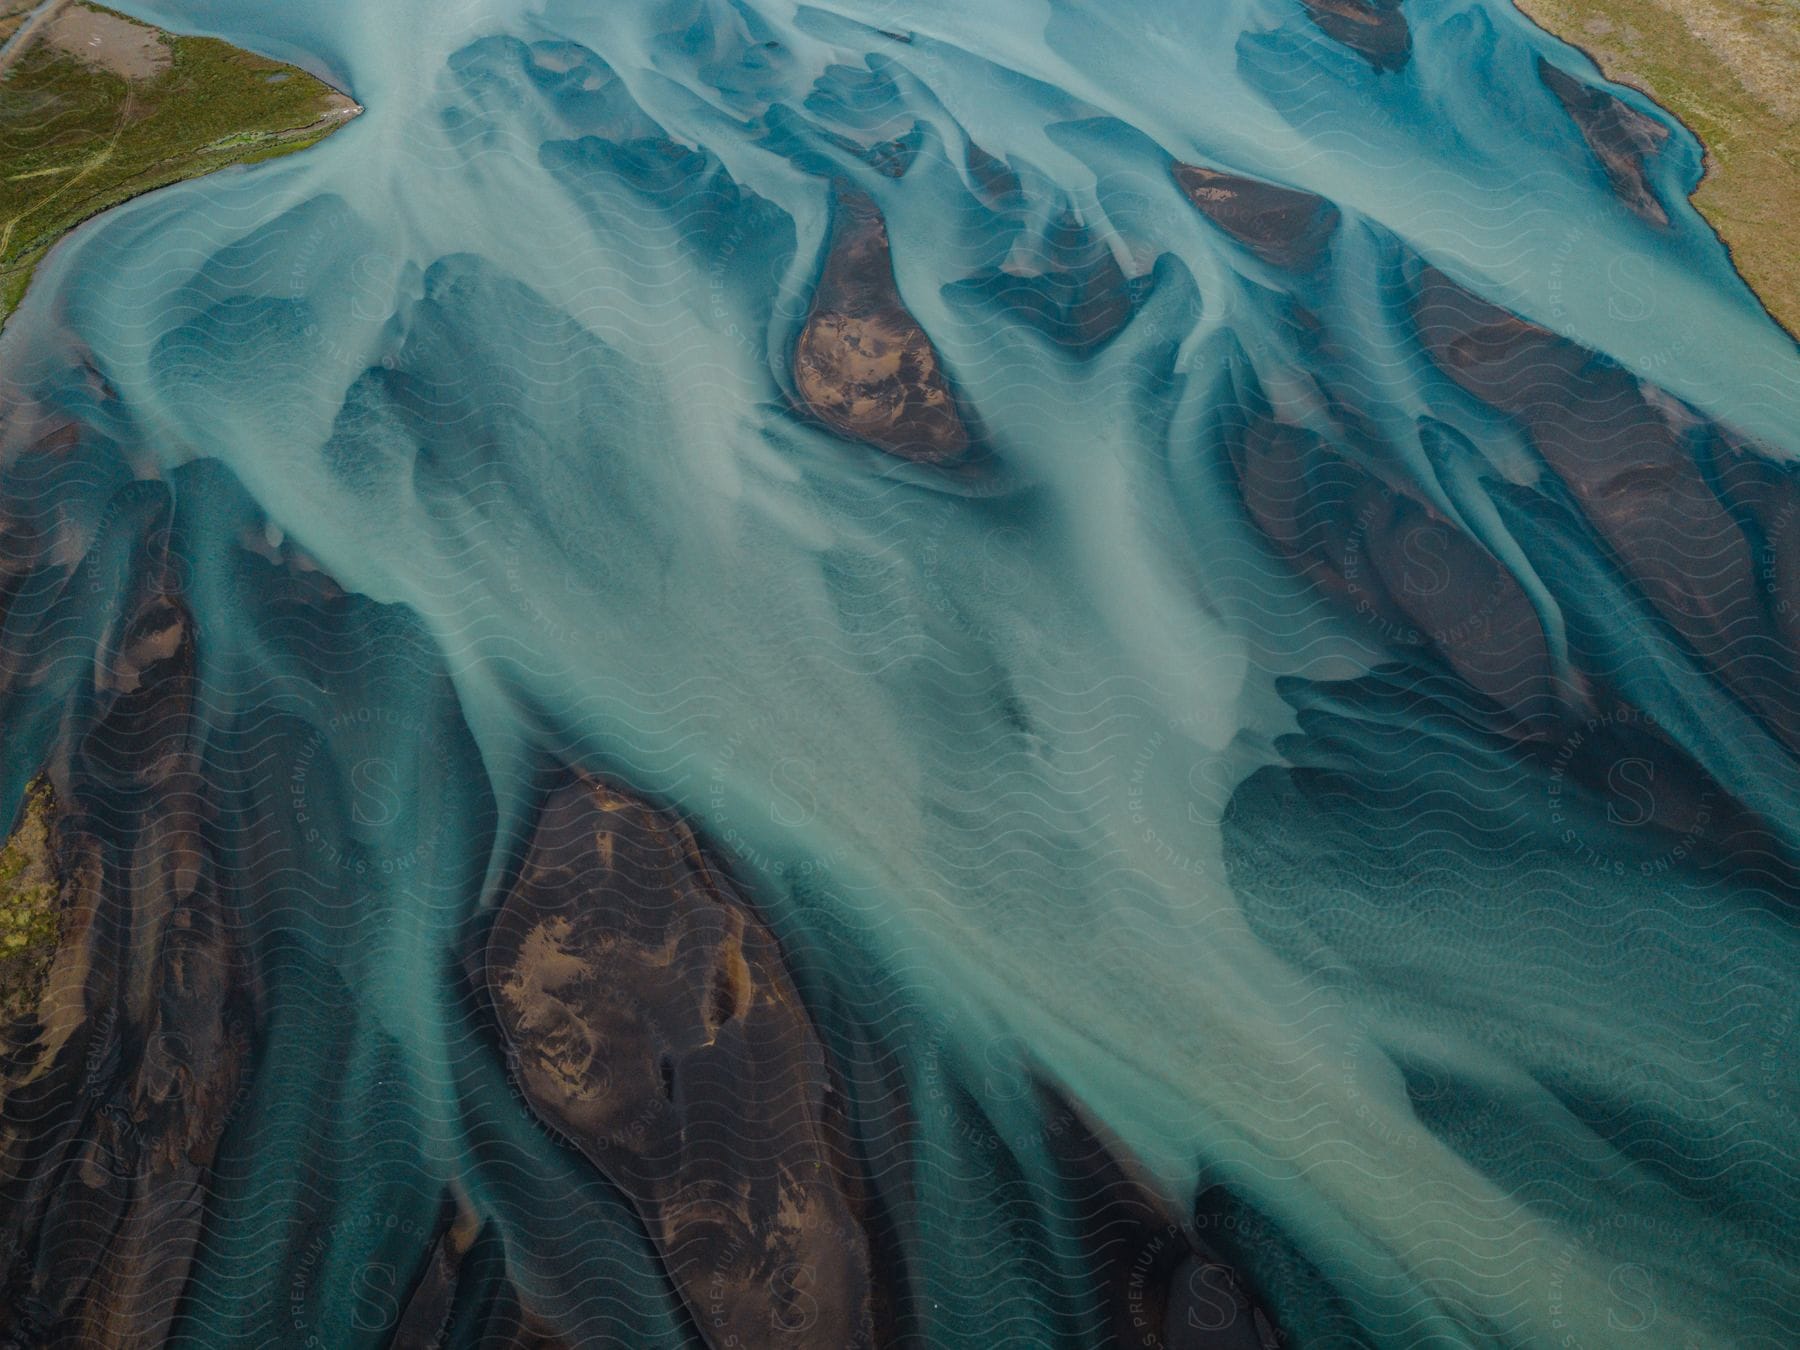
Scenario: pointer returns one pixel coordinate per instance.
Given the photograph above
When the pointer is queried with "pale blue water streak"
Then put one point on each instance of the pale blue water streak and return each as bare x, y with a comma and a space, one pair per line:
481, 359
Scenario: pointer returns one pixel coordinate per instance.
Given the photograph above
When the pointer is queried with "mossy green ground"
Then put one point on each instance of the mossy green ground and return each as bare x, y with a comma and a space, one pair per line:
1729, 69
30, 918
77, 138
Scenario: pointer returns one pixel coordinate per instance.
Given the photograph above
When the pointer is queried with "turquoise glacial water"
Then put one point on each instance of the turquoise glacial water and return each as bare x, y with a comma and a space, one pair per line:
1046, 767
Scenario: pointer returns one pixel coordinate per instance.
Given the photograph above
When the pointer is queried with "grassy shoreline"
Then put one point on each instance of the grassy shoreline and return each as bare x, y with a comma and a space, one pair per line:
85, 126
1730, 71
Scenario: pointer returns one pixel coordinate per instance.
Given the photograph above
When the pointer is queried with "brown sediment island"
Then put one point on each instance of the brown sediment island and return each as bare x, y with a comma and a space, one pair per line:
1730, 70
650, 1020
863, 365
1280, 225
96, 108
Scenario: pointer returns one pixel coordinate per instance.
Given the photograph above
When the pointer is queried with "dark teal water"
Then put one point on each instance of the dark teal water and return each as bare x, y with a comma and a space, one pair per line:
1469, 1028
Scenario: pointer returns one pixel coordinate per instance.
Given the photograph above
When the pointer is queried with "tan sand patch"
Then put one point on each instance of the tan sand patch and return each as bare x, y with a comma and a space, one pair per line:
104, 39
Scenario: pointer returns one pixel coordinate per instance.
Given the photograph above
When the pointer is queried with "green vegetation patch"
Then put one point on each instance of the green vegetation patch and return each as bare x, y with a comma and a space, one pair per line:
77, 136
30, 917
1729, 69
